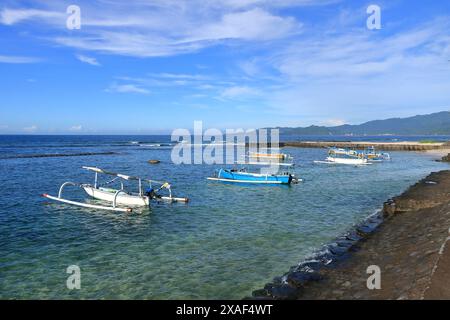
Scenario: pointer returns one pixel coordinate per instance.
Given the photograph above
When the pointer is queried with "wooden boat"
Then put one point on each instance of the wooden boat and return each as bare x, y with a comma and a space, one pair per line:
373, 156
119, 196
242, 175
344, 156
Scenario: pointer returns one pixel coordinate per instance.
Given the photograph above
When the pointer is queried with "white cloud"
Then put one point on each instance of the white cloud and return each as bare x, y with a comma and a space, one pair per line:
76, 128
18, 59
13, 16
334, 122
254, 24
141, 28
127, 88
330, 75
30, 129
88, 60
238, 91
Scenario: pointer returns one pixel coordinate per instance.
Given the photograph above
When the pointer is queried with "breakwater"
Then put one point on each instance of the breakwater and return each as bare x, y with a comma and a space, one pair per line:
398, 146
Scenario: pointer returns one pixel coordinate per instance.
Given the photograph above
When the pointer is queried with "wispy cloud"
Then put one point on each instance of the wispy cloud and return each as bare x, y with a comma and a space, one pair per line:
31, 129
358, 72
76, 128
18, 59
12, 16
88, 60
142, 29
333, 122
238, 92
127, 88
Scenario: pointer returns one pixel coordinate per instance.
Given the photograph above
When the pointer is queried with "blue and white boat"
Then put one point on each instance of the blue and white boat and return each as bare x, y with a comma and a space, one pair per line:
243, 176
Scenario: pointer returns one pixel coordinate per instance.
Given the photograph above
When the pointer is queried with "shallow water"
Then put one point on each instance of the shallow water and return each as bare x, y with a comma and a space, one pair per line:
228, 241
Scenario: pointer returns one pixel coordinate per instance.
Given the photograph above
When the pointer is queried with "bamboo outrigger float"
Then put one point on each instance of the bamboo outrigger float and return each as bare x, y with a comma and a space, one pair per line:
118, 196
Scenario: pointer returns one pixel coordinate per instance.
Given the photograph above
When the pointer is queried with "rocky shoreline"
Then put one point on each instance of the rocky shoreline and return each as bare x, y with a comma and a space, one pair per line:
407, 240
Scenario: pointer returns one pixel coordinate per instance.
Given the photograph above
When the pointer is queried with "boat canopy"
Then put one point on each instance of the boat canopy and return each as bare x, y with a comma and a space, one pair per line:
274, 163
122, 176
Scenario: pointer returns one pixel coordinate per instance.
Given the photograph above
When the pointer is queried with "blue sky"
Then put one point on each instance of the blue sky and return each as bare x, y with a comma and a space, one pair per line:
151, 66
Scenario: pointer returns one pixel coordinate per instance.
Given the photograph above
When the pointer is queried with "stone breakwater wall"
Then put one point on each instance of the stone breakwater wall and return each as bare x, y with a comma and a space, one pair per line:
395, 146
388, 146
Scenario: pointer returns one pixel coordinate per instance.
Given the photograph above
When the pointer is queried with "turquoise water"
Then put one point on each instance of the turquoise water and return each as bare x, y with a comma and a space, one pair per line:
228, 241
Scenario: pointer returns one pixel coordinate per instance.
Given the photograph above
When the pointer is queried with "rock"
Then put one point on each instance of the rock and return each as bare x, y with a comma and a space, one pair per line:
347, 284
310, 266
353, 236
344, 243
389, 208
278, 280
153, 161
364, 230
446, 158
337, 250
283, 292
260, 293
299, 279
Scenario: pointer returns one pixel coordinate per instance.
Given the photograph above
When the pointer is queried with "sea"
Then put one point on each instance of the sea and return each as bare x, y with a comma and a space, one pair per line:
226, 242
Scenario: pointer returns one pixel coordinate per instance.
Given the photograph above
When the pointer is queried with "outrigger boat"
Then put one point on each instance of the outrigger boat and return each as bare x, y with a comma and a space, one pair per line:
243, 176
373, 155
344, 156
118, 196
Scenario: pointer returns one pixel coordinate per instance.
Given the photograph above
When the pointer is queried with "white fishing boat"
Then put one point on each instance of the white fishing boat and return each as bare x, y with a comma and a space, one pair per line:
343, 160
344, 156
118, 197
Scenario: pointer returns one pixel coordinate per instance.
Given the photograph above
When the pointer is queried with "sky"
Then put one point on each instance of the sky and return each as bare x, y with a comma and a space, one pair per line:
146, 67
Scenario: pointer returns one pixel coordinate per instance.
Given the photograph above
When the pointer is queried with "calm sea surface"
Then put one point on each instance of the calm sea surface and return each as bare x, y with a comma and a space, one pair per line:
228, 241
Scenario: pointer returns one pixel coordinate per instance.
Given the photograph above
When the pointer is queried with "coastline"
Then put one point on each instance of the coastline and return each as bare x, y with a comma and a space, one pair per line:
408, 240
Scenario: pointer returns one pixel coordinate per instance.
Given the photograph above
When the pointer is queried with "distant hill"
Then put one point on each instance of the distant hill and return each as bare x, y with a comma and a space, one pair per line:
430, 124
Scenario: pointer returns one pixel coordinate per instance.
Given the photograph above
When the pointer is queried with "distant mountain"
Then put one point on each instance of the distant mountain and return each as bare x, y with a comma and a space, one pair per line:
430, 124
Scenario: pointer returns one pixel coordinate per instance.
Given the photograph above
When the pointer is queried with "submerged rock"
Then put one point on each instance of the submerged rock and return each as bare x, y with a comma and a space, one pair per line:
299, 278
282, 292
310, 266
260, 293
353, 236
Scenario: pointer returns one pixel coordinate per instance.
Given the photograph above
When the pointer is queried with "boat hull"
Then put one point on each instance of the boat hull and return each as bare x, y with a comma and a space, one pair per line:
122, 198
357, 161
246, 177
